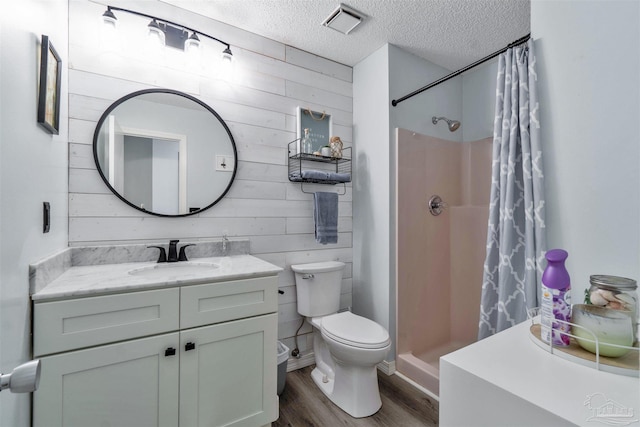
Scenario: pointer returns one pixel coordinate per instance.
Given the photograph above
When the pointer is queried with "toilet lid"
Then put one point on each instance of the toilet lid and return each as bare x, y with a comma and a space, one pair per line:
354, 330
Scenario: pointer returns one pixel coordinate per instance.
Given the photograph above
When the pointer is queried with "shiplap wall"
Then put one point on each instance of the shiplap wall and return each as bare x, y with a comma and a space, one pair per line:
258, 104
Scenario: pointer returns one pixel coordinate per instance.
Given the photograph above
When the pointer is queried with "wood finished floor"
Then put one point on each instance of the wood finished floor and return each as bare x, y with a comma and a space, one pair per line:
303, 404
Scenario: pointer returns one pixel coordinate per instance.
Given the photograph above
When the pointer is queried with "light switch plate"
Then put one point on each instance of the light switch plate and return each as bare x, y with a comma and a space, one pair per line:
46, 217
224, 163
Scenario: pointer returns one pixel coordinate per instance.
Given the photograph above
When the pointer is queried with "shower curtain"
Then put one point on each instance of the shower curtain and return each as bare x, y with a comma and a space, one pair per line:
516, 231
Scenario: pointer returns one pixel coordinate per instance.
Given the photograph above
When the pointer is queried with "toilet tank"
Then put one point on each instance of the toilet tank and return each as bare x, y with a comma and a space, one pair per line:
318, 287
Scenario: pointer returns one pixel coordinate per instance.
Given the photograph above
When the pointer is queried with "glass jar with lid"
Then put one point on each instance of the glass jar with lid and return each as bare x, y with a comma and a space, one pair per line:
613, 292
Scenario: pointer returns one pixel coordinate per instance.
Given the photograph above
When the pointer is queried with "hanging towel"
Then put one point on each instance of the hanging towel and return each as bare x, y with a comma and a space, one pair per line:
325, 214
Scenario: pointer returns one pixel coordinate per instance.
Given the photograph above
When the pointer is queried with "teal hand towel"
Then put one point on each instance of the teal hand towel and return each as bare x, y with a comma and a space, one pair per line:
325, 214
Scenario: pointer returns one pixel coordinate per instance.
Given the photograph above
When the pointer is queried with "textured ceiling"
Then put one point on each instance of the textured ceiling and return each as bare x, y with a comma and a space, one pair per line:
450, 33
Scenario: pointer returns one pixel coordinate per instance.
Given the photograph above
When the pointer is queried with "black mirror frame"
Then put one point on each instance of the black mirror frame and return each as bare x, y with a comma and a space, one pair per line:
174, 92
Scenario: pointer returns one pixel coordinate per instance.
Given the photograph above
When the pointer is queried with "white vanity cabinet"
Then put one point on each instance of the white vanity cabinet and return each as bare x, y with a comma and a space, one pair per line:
194, 355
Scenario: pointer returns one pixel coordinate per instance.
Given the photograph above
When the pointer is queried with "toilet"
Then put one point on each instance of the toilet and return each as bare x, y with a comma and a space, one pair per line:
347, 347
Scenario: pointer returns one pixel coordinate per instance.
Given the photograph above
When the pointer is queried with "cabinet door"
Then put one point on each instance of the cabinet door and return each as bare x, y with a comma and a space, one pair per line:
228, 373
127, 384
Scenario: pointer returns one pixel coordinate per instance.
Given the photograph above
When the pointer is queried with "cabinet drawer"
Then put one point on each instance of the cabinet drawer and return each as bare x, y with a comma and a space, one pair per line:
219, 302
71, 324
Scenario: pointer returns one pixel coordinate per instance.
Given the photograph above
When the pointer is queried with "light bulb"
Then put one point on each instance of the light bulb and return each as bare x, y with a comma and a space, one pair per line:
109, 20
155, 33
108, 31
226, 71
227, 56
192, 50
192, 44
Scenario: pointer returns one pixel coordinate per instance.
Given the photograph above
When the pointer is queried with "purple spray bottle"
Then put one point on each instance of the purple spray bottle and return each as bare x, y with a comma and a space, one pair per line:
556, 299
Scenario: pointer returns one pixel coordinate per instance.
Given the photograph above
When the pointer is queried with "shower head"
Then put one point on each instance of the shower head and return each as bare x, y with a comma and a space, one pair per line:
453, 124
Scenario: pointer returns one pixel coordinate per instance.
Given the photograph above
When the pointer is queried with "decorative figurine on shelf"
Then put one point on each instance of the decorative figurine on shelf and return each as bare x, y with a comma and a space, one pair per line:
336, 147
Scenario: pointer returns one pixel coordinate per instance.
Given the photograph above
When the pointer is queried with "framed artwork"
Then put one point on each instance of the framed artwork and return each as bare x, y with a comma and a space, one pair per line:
319, 124
49, 91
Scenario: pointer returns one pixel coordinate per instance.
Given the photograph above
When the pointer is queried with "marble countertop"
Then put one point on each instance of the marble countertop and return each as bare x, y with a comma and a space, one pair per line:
84, 281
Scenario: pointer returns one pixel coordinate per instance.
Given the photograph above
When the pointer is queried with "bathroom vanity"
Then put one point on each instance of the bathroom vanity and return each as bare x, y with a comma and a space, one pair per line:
146, 344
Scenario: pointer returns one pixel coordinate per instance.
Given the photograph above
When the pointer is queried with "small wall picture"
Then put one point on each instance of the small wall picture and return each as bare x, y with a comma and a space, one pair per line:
319, 124
49, 91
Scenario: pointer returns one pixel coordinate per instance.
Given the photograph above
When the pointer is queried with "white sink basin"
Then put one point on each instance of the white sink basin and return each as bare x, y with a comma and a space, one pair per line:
175, 270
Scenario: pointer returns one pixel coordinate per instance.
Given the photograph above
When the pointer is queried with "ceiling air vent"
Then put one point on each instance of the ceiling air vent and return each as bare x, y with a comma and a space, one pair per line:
343, 19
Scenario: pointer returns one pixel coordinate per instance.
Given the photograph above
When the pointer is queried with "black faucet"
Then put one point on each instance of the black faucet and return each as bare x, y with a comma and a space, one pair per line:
183, 255
173, 253
163, 255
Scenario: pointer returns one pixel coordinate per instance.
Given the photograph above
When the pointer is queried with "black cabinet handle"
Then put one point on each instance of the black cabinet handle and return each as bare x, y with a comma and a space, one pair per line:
170, 352
189, 346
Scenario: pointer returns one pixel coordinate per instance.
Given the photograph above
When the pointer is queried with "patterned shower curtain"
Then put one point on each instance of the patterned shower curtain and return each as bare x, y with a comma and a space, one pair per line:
516, 240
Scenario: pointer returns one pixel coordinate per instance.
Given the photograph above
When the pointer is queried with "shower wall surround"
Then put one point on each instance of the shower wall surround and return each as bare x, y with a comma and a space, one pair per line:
259, 105
440, 258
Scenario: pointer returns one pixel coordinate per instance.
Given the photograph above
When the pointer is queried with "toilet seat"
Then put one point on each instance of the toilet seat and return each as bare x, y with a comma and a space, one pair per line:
355, 331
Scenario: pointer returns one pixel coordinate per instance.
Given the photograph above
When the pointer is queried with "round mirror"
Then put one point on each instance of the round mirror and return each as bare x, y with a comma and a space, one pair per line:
165, 152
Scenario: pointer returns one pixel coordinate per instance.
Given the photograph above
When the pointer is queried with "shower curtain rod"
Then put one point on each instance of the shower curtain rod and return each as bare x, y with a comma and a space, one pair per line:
521, 40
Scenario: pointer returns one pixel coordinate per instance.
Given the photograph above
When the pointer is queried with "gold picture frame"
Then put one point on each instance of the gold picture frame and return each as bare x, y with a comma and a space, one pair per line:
49, 90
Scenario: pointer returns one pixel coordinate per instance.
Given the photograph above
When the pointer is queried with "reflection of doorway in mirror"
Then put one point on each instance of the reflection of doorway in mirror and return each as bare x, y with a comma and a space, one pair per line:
137, 169
154, 171
165, 174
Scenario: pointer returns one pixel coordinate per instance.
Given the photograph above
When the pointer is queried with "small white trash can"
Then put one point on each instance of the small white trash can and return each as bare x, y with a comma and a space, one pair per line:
283, 356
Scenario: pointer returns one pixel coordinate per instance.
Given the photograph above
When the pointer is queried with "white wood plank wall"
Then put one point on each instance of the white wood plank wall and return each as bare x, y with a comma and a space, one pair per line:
259, 106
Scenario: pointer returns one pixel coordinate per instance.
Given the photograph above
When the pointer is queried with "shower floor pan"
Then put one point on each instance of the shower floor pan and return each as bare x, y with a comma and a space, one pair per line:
424, 368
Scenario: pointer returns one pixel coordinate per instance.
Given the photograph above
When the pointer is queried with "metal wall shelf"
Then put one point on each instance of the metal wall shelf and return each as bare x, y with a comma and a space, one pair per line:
299, 163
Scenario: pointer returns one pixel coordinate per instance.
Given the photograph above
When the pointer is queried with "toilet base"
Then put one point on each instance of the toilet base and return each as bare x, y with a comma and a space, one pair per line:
347, 375
354, 389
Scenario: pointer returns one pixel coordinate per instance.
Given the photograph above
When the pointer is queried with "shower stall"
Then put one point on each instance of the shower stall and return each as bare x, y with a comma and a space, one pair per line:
440, 251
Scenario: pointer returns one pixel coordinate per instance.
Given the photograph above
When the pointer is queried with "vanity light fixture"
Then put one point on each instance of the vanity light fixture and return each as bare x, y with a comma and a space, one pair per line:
168, 33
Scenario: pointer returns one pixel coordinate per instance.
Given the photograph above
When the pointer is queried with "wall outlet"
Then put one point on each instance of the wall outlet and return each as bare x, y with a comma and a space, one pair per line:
224, 163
